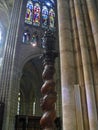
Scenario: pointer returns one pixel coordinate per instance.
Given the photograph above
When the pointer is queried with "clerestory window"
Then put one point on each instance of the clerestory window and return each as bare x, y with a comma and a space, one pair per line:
40, 13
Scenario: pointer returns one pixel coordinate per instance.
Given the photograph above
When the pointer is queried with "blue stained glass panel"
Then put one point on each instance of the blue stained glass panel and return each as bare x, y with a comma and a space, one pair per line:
52, 1
44, 17
36, 0
29, 12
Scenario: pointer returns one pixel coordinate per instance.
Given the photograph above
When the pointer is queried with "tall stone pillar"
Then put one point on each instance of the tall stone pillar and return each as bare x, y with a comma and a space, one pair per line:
93, 15
9, 77
89, 86
92, 50
81, 124
67, 66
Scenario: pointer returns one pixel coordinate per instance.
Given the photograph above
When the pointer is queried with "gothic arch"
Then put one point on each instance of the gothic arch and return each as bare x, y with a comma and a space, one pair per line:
30, 84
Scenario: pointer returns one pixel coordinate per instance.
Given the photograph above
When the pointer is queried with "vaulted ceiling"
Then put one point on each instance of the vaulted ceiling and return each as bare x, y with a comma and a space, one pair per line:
5, 11
7, 3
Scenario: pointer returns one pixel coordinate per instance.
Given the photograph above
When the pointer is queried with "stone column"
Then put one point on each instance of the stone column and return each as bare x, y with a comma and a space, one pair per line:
67, 66
92, 50
83, 124
9, 75
93, 15
92, 112
58, 88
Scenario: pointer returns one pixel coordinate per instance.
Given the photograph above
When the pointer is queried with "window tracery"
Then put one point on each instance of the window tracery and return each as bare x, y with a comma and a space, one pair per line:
39, 13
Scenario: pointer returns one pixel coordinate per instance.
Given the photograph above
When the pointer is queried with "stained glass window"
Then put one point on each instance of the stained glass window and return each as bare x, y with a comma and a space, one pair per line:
39, 13
26, 37
44, 17
51, 19
36, 15
36, 0
52, 1
48, 4
29, 12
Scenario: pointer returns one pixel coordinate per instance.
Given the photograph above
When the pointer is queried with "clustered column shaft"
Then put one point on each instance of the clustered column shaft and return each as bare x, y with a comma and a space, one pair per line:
90, 95
67, 66
83, 17
81, 124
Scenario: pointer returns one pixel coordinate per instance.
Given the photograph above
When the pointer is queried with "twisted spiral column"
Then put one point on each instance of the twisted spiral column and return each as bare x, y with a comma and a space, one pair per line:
48, 91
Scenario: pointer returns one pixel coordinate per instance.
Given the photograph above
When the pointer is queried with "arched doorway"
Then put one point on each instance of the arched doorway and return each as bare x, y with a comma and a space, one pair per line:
28, 107
30, 85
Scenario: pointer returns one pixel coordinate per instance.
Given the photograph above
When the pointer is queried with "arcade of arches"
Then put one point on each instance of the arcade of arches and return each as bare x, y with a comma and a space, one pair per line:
76, 67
